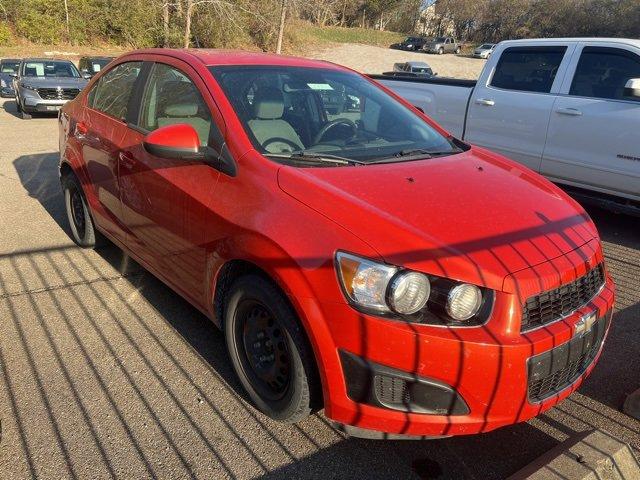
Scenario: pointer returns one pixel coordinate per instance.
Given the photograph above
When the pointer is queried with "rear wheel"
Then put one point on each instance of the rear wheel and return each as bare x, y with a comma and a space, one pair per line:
80, 221
269, 350
440, 51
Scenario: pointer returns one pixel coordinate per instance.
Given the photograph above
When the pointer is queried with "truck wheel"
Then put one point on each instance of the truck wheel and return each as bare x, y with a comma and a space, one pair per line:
269, 350
80, 221
458, 51
440, 51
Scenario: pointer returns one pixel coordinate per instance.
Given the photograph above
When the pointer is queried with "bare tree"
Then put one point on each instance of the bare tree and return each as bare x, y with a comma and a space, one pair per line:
283, 16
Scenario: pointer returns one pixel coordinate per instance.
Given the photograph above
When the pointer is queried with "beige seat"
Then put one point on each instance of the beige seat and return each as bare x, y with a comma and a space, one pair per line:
186, 113
274, 134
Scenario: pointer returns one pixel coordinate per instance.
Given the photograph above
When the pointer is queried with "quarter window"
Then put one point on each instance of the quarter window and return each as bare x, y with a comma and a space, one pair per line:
603, 72
171, 98
528, 69
112, 93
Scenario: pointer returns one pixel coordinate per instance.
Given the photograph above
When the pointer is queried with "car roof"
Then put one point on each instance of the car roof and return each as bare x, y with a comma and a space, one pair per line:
102, 57
10, 59
418, 64
625, 41
35, 59
217, 57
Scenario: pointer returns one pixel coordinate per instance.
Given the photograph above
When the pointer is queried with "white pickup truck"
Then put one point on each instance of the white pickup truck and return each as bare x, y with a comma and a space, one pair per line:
567, 108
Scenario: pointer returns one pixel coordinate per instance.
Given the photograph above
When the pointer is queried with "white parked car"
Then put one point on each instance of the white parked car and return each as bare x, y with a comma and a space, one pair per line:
566, 108
484, 51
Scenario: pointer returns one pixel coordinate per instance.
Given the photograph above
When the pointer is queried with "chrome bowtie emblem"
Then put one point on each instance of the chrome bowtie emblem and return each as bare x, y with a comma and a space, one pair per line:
584, 324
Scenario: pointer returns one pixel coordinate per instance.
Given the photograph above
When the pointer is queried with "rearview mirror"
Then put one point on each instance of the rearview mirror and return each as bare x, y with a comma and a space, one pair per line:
632, 88
176, 142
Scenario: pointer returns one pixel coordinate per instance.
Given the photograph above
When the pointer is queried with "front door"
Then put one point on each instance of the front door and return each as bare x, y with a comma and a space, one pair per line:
163, 199
593, 138
510, 113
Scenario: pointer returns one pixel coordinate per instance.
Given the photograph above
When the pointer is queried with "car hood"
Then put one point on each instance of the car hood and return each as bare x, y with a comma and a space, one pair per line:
53, 82
472, 217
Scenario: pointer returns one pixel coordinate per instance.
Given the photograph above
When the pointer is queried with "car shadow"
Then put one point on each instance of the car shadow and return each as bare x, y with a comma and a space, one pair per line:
491, 455
10, 107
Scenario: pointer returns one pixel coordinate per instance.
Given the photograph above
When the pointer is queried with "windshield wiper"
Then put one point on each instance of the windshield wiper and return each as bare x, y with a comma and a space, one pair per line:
417, 153
317, 156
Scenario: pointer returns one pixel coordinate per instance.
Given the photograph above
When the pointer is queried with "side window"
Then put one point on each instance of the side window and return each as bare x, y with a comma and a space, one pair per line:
112, 93
602, 72
171, 98
528, 69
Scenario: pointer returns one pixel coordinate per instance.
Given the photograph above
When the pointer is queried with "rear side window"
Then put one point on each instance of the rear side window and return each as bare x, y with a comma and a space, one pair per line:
603, 72
528, 69
170, 98
112, 93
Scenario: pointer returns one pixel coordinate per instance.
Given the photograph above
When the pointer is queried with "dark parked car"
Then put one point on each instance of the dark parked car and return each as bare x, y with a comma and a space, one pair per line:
412, 43
89, 66
8, 70
44, 85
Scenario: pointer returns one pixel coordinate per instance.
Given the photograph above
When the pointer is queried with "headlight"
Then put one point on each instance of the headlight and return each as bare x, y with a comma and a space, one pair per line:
408, 292
3, 84
463, 301
391, 291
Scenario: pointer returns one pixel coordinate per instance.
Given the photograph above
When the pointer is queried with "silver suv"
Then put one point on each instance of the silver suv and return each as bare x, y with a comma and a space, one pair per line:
44, 85
441, 45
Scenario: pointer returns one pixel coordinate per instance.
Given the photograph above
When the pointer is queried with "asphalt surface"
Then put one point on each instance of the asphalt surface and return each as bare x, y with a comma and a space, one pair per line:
105, 372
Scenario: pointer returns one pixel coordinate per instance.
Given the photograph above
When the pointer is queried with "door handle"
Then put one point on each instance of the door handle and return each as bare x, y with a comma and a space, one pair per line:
574, 112
485, 101
127, 160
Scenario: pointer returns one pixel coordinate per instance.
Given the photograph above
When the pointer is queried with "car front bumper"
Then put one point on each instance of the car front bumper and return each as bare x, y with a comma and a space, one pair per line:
390, 377
7, 92
33, 104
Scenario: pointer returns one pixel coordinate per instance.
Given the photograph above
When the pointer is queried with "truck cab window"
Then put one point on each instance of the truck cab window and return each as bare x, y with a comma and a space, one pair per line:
528, 69
603, 72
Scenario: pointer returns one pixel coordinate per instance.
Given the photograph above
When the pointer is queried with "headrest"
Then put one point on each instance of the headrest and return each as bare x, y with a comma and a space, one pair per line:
181, 110
268, 103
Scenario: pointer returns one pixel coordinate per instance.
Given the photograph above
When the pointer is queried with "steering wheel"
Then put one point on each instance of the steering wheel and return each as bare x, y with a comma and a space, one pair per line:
294, 146
338, 121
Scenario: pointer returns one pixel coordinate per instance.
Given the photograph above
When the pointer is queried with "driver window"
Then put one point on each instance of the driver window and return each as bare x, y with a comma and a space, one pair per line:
172, 98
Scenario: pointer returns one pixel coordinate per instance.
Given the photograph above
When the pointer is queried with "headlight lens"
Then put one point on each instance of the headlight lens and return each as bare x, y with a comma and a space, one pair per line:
364, 281
463, 301
409, 292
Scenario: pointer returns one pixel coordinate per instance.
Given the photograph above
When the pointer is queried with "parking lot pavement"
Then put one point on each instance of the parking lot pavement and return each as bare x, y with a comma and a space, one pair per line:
104, 372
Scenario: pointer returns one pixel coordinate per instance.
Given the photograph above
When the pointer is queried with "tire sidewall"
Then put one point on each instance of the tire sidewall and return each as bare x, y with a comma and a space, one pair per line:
69, 184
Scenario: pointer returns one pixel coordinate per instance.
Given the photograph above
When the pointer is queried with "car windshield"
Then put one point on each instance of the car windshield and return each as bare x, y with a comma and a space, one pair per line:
287, 110
440, 39
9, 67
411, 39
98, 63
486, 46
49, 69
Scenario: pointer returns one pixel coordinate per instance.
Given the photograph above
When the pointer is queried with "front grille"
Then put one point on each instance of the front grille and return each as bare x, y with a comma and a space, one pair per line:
554, 370
58, 93
555, 304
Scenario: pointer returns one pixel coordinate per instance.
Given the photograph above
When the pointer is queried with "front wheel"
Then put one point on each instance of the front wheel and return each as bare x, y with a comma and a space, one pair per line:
269, 350
440, 51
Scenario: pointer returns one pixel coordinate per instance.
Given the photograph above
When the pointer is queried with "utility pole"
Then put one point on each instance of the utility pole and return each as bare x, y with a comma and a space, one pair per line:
66, 16
283, 16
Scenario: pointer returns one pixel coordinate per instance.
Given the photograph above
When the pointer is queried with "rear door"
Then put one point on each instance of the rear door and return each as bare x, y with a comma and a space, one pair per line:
100, 132
511, 104
593, 139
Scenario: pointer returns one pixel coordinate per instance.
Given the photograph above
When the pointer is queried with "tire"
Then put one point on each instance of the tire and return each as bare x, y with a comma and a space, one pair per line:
458, 51
80, 221
269, 350
440, 51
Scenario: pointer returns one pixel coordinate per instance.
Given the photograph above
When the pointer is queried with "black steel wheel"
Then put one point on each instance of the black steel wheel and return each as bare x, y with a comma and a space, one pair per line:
269, 350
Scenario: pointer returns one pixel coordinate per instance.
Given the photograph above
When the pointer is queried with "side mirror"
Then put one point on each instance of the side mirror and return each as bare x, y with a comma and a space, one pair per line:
86, 75
176, 142
14, 75
181, 142
418, 108
632, 88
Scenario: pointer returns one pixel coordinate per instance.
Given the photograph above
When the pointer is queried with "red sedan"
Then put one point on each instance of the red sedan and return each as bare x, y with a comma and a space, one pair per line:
357, 256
